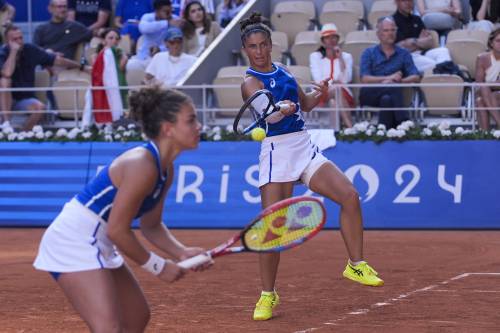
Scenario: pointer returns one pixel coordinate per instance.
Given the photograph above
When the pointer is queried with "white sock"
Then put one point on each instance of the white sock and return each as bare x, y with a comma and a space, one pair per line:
355, 263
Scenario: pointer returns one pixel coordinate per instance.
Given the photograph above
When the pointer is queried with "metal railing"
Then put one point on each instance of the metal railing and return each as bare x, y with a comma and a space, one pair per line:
210, 113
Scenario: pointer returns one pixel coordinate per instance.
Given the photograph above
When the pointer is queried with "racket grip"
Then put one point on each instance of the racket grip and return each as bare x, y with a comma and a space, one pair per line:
195, 261
283, 106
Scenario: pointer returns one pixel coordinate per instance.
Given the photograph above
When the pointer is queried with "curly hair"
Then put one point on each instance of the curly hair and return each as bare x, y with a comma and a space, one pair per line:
254, 24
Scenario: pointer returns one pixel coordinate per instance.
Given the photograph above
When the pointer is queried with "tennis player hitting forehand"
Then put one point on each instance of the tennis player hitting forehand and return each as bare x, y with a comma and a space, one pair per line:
287, 155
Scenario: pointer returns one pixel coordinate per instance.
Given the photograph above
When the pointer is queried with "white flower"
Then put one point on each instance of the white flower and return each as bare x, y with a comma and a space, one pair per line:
29, 134
467, 131
361, 127
369, 132
120, 129
7, 130
400, 133
12, 136
381, 127
405, 126
39, 135
118, 136
392, 133
21, 136
131, 126
37, 129
432, 124
217, 137
205, 129
108, 138
108, 129
48, 134
61, 132
445, 132
229, 129
73, 133
350, 131
380, 133
496, 134
5, 124
459, 130
144, 137
216, 129
1, 136
86, 135
444, 125
426, 132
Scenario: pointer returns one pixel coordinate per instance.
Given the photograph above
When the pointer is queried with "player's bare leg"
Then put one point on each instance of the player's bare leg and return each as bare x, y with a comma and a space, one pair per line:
99, 310
330, 182
134, 309
270, 194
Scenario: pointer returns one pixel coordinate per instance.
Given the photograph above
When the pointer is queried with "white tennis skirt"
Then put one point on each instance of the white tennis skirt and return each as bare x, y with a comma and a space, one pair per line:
289, 157
76, 241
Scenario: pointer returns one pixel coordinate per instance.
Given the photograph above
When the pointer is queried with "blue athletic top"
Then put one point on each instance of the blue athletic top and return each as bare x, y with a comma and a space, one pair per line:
283, 86
98, 195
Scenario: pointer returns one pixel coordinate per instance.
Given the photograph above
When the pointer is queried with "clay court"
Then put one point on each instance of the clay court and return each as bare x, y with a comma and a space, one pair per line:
436, 281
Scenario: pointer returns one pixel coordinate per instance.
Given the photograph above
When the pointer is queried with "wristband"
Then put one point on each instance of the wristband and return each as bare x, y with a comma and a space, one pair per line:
154, 264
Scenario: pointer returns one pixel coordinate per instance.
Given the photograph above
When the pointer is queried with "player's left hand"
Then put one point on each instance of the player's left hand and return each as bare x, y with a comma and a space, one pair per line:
194, 251
321, 89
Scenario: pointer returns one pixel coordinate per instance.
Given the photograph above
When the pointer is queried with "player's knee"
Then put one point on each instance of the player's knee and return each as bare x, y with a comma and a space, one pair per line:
350, 198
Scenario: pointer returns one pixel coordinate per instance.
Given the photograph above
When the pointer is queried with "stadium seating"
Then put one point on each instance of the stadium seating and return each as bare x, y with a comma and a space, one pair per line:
436, 105
42, 80
305, 43
357, 41
70, 102
379, 9
347, 15
135, 76
229, 98
292, 17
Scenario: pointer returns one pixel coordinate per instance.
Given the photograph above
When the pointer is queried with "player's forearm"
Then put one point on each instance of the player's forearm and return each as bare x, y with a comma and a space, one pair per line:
128, 244
161, 237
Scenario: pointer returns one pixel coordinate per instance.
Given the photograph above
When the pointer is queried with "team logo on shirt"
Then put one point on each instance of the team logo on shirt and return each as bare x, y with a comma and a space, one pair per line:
272, 83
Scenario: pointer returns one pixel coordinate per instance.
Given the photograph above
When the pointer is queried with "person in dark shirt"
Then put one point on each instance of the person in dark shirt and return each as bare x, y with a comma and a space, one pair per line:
386, 63
17, 68
59, 34
413, 36
94, 14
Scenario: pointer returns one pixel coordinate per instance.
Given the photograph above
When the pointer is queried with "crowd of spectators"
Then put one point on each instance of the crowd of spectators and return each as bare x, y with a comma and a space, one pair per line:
167, 36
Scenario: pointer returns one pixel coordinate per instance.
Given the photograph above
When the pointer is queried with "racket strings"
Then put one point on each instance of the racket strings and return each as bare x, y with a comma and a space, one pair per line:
286, 227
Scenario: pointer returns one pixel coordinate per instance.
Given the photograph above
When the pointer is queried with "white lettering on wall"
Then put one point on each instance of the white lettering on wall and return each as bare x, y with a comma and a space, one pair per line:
403, 197
193, 188
224, 184
252, 181
456, 189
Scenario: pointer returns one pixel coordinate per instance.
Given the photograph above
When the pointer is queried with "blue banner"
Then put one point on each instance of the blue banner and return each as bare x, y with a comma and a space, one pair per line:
410, 185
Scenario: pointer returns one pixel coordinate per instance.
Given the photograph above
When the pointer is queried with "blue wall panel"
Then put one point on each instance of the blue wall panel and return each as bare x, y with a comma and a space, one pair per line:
428, 185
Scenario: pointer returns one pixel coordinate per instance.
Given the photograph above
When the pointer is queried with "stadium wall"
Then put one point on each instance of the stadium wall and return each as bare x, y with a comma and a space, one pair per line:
410, 185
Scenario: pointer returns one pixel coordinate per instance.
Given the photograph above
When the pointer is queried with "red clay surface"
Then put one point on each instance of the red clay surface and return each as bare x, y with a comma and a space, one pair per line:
417, 266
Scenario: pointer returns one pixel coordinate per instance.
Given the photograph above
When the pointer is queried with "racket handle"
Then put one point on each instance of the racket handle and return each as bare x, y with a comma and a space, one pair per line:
195, 261
283, 106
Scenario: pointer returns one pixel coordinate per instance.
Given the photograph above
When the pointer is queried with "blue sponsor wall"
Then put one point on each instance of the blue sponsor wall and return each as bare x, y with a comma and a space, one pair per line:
410, 185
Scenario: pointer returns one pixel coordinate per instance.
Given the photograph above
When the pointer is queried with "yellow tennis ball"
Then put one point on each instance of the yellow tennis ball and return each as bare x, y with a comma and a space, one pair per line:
258, 134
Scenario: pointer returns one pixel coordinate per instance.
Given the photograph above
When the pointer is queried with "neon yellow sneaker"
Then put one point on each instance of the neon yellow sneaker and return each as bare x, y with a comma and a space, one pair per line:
264, 307
363, 273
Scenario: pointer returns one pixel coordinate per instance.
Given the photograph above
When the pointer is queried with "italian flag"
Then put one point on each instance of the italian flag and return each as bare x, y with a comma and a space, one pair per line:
108, 104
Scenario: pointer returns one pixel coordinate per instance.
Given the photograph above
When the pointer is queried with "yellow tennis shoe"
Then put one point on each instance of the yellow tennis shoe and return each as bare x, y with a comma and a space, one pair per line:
264, 308
363, 273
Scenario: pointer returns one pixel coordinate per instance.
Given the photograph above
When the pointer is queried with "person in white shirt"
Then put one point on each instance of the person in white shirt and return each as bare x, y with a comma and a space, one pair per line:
168, 68
330, 62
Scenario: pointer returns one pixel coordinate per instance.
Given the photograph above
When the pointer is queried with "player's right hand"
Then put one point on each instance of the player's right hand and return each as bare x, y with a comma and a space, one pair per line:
171, 272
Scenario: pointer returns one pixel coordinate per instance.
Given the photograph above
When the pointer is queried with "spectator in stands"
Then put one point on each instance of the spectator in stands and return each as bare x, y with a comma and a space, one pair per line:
207, 4
18, 61
488, 70
59, 34
198, 29
94, 14
7, 13
127, 16
485, 14
229, 10
168, 68
330, 62
386, 63
153, 27
108, 70
413, 36
440, 15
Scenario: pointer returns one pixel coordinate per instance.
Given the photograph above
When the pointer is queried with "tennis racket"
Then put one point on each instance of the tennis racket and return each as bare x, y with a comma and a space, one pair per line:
266, 106
281, 226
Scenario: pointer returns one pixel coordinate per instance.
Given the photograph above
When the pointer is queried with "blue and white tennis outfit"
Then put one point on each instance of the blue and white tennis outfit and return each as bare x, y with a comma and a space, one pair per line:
287, 153
76, 240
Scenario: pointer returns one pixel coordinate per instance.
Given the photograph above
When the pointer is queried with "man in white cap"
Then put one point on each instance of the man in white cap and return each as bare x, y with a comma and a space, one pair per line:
329, 62
168, 68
